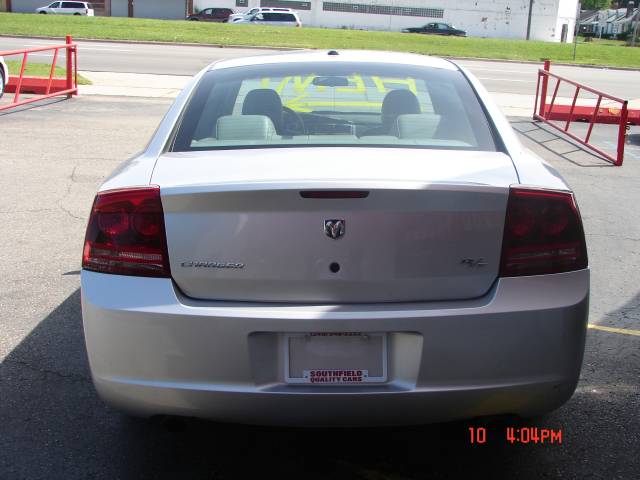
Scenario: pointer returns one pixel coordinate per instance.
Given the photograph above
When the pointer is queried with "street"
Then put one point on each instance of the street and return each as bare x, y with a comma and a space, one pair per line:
54, 156
499, 77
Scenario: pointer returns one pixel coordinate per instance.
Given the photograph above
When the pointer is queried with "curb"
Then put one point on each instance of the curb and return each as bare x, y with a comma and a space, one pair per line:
553, 63
262, 47
153, 42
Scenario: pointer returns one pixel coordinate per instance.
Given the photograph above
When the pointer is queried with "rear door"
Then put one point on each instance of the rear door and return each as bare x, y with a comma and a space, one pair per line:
443, 29
206, 14
431, 28
284, 19
70, 8
220, 14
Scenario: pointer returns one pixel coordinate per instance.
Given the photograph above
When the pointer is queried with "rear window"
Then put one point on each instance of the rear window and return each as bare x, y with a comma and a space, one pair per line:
325, 104
278, 17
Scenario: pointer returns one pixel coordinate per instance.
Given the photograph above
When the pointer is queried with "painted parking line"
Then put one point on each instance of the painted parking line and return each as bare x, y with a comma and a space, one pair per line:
622, 331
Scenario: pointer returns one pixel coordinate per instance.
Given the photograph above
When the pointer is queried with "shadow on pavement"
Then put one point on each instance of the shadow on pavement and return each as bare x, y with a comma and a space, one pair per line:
559, 144
29, 106
54, 426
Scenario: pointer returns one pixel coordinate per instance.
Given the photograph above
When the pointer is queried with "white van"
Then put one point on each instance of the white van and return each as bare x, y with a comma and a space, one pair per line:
68, 8
237, 17
280, 19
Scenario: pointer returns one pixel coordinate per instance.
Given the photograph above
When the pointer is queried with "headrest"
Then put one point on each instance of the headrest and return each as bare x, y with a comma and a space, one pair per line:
398, 102
245, 127
418, 125
264, 101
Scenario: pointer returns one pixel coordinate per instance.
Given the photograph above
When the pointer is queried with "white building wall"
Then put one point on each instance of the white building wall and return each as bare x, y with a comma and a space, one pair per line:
169, 9
202, 4
567, 13
480, 18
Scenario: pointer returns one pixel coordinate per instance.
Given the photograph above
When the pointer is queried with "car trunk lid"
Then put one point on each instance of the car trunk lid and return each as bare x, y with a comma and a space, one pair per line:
251, 225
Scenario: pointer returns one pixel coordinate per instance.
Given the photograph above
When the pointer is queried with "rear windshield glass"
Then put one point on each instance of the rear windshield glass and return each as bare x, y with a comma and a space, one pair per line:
278, 17
353, 104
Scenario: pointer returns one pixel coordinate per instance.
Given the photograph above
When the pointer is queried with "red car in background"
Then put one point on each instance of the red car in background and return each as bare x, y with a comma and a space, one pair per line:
212, 15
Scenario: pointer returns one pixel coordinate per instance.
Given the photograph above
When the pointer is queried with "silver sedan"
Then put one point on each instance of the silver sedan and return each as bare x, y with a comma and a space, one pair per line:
335, 238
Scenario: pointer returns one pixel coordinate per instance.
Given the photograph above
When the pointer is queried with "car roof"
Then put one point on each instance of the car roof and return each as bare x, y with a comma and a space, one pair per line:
363, 56
278, 12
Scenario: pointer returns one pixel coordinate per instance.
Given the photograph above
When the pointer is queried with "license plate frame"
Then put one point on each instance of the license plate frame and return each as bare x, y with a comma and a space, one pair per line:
345, 375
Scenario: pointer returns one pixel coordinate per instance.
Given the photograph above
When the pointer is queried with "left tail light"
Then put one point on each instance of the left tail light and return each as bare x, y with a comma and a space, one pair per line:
126, 234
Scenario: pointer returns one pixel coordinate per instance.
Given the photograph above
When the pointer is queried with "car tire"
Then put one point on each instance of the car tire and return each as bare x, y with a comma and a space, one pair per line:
76, 14
42, 13
193, 19
2, 81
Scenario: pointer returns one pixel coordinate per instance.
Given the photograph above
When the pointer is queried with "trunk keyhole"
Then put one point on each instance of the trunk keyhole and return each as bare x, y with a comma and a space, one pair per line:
334, 267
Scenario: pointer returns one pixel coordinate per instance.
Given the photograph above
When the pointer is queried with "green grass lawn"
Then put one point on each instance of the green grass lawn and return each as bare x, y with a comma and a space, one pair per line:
595, 53
40, 70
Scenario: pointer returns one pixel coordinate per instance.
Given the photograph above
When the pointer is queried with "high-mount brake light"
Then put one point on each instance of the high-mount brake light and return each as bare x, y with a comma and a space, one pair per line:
126, 234
542, 234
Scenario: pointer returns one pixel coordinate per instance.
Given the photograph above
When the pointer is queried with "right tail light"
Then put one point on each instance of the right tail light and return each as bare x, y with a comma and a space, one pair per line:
542, 234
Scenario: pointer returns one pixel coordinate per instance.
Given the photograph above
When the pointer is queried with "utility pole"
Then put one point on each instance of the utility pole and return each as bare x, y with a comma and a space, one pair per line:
529, 19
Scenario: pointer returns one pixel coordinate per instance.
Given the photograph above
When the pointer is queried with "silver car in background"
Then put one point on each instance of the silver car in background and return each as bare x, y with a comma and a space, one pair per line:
273, 18
250, 13
68, 8
335, 238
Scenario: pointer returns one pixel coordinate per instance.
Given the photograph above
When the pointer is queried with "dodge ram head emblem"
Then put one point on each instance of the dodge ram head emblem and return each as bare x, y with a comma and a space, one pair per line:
334, 228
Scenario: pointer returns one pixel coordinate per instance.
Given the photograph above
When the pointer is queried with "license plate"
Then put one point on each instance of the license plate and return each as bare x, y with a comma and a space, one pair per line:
335, 358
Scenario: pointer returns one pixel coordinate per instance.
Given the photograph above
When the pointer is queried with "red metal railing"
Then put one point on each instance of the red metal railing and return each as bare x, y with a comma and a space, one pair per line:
43, 87
548, 112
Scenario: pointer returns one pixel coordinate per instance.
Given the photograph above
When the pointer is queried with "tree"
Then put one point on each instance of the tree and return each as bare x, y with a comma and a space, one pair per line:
595, 4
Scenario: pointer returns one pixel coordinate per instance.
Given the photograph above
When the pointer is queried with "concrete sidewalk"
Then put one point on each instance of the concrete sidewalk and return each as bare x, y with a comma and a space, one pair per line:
168, 86
133, 84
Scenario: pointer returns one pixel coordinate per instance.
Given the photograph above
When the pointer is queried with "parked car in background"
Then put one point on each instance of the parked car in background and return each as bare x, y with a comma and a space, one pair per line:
4, 76
68, 8
335, 238
247, 15
280, 19
437, 28
212, 15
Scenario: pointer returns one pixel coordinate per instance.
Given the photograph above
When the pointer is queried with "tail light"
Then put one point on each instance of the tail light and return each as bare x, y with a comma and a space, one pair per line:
543, 234
126, 234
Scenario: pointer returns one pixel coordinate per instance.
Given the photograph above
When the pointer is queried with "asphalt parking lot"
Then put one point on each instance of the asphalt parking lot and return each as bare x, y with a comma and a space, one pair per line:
52, 425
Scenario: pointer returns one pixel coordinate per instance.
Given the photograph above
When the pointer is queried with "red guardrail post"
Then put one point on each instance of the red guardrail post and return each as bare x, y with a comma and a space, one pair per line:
69, 65
16, 97
622, 134
545, 83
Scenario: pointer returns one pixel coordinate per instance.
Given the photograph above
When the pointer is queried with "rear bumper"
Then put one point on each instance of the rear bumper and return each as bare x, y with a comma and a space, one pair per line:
517, 350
